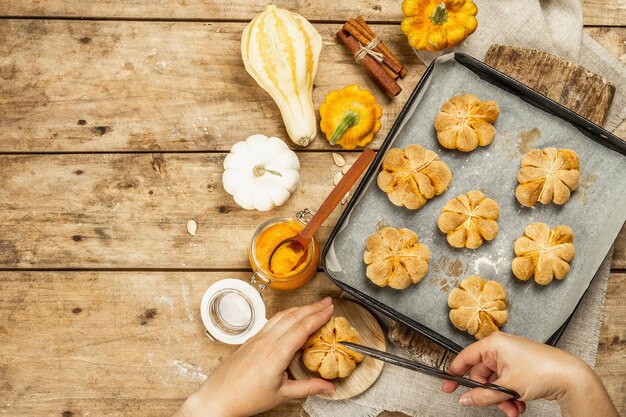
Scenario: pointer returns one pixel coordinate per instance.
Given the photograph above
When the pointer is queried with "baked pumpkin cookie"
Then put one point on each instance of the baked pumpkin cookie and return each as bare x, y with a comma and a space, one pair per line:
548, 175
465, 123
395, 258
543, 253
323, 353
478, 307
412, 176
469, 219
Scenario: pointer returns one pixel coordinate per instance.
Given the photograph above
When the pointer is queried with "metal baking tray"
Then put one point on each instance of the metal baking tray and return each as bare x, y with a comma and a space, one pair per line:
596, 211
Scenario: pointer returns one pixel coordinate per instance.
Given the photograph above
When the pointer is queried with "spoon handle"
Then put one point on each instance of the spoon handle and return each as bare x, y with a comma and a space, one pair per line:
336, 195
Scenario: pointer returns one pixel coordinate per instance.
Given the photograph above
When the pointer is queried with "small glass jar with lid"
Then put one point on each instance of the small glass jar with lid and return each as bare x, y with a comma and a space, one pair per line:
233, 310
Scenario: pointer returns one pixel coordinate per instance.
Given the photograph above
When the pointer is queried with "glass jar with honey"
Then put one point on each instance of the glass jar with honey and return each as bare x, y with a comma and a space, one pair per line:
233, 310
283, 275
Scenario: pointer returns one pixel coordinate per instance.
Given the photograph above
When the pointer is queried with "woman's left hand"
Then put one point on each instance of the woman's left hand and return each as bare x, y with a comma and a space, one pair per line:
253, 379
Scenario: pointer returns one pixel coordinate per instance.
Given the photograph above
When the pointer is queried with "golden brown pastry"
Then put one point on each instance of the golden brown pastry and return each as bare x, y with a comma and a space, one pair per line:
548, 175
543, 253
478, 307
469, 219
330, 359
395, 257
465, 123
412, 176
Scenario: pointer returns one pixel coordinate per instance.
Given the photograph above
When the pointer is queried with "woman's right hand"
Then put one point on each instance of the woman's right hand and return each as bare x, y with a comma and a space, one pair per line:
532, 369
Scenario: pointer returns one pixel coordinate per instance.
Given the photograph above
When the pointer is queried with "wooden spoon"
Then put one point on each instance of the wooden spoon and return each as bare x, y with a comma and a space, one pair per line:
300, 242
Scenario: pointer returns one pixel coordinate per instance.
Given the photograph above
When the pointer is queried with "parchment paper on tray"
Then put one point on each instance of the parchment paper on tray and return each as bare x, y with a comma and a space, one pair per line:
596, 213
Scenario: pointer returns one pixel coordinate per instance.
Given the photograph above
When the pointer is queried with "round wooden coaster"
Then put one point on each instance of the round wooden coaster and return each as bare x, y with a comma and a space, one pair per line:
366, 372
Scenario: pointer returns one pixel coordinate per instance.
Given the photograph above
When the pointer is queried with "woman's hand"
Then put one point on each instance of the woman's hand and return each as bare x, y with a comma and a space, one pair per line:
532, 369
253, 379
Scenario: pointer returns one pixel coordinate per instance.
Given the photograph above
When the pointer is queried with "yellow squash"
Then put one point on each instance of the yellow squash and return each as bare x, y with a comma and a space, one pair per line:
434, 25
280, 50
350, 117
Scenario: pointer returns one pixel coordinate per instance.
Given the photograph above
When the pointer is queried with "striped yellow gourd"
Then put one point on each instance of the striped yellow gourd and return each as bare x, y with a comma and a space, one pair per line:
280, 50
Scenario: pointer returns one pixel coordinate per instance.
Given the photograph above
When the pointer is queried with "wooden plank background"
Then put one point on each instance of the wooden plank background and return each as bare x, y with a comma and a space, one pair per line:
596, 12
145, 86
131, 210
115, 116
112, 343
148, 352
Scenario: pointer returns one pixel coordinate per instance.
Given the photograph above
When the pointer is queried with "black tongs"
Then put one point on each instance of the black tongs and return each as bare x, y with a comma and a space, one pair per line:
425, 369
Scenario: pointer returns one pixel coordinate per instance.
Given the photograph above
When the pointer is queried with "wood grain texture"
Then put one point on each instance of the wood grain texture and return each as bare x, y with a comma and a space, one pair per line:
619, 250
419, 347
131, 210
569, 84
611, 359
604, 12
614, 41
150, 352
147, 355
141, 86
611, 39
595, 12
73, 343
366, 372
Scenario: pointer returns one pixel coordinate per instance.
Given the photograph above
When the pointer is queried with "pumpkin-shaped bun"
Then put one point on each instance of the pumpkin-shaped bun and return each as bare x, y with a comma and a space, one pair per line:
394, 257
478, 307
469, 219
465, 123
543, 253
323, 353
412, 176
548, 175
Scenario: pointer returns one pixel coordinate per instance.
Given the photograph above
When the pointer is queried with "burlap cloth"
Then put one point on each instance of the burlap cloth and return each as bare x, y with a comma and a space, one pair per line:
554, 26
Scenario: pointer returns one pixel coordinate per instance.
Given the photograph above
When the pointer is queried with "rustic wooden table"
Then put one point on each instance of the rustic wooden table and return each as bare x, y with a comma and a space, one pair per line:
115, 119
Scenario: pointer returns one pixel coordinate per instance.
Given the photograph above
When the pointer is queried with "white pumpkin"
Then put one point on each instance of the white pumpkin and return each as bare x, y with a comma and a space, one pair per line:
261, 172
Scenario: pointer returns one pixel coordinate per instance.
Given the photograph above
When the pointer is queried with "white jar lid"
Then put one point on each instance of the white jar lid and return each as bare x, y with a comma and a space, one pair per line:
232, 311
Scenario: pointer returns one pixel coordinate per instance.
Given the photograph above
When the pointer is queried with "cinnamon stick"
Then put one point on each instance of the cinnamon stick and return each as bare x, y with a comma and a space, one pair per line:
376, 70
355, 30
391, 72
362, 24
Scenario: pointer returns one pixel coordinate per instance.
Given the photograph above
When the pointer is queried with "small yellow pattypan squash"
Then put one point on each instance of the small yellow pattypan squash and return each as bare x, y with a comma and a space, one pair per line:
434, 25
350, 117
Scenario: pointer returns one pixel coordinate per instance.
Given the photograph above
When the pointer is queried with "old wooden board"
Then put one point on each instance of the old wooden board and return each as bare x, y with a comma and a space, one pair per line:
144, 86
149, 351
596, 12
131, 210
131, 78
111, 343
573, 86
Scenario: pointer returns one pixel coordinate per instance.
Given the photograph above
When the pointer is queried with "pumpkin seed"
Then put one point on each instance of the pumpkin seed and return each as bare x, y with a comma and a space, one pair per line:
345, 168
192, 227
345, 198
338, 159
337, 178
